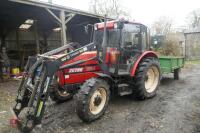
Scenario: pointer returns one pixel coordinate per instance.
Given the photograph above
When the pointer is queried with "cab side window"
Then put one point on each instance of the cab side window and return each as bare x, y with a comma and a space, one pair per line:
131, 40
144, 33
131, 34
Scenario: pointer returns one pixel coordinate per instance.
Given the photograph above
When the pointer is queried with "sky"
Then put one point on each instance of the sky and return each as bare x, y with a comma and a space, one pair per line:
147, 11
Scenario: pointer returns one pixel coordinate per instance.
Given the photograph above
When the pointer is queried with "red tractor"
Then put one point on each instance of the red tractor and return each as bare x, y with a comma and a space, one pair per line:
118, 62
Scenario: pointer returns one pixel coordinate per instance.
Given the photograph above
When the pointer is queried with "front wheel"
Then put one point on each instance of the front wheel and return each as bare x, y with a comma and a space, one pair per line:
92, 99
147, 78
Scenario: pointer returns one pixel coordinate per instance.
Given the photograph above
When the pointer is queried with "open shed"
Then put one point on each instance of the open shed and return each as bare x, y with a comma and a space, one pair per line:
30, 27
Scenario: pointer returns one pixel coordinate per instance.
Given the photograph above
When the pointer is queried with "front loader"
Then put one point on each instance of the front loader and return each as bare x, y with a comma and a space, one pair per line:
117, 62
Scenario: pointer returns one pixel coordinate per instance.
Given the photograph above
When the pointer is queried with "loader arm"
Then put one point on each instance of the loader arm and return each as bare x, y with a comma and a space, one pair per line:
34, 89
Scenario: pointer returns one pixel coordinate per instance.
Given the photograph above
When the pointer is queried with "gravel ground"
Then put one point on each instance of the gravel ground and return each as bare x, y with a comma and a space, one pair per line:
7, 97
175, 109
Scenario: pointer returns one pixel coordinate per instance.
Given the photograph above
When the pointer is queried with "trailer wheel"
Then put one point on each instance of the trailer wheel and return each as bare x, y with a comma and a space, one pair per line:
92, 99
176, 74
60, 95
147, 78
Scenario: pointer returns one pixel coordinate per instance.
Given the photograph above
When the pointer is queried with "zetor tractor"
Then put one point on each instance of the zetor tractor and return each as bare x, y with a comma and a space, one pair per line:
118, 62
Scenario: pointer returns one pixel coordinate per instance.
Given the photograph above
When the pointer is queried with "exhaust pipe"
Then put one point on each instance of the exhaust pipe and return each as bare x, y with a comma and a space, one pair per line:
104, 66
104, 43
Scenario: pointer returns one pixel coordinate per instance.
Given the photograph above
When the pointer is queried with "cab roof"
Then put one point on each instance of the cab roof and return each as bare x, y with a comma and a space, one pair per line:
110, 24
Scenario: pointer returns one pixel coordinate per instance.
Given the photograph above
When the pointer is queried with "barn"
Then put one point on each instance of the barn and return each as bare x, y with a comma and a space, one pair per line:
30, 27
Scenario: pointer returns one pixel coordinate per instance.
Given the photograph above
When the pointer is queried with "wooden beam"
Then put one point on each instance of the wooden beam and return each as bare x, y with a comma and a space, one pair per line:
71, 15
83, 23
58, 7
50, 12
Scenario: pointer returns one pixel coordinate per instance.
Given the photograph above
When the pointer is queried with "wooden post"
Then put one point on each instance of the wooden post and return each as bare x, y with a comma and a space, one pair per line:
19, 48
63, 28
17, 39
3, 41
62, 21
36, 37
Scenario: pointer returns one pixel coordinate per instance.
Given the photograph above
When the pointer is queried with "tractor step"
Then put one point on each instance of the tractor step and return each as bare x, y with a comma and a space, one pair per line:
124, 89
121, 72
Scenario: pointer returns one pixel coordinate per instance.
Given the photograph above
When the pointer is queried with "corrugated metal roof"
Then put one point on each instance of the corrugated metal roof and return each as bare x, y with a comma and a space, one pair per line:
58, 7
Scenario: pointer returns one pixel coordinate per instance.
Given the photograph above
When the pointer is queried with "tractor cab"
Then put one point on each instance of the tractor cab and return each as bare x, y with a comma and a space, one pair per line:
124, 42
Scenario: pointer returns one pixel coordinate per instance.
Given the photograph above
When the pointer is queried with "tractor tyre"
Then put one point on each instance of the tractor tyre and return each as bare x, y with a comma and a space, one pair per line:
176, 74
59, 95
92, 99
147, 78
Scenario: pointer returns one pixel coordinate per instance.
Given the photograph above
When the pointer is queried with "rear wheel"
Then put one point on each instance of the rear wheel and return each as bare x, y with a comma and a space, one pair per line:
92, 99
176, 74
60, 95
147, 78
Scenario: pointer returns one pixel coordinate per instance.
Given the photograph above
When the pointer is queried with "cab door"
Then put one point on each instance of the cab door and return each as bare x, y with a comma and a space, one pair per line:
134, 42
131, 46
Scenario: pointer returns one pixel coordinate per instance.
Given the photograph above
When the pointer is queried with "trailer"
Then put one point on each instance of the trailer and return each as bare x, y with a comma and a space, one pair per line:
171, 64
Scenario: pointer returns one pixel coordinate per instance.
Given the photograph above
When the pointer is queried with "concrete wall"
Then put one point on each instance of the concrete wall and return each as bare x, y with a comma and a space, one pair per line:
192, 46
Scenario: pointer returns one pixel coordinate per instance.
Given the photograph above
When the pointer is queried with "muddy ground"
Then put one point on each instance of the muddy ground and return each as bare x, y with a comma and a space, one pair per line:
175, 109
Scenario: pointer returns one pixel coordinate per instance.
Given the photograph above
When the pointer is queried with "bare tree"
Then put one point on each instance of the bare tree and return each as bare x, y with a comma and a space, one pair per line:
193, 19
112, 8
162, 25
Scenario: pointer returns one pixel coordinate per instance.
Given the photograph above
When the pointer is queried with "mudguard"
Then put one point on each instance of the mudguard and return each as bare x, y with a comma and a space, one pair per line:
108, 79
102, 75
142, 56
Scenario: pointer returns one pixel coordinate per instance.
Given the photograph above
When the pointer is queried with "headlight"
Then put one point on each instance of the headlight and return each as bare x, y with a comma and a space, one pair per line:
115, 26
95, 27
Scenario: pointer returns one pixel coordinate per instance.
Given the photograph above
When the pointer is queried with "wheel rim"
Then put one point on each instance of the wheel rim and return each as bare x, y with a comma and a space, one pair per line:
152, 79
63, 92
98, 101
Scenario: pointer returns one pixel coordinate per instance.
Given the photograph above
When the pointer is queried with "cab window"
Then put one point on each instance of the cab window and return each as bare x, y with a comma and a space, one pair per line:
131, 36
